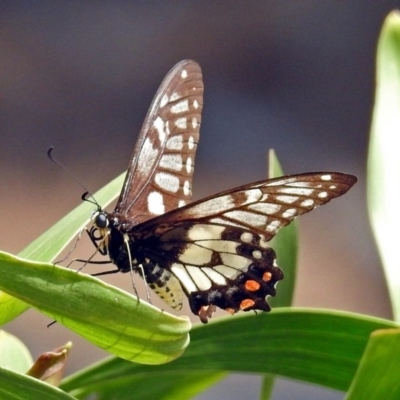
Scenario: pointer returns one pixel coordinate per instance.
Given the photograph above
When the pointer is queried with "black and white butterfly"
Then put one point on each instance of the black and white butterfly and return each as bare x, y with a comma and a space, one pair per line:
215, 250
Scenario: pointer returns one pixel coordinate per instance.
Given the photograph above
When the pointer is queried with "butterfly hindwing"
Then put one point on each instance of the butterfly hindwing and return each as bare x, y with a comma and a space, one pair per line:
223, 266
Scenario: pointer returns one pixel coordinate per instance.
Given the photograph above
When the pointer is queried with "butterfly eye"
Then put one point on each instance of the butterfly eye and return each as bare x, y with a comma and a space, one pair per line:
101, 220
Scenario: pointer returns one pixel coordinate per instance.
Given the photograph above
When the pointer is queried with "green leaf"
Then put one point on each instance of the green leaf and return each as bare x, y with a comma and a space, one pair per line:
13, 353
321, 347
143, 387
108, 317
383, 158
285, 244
47, 246
16, 386
378, 376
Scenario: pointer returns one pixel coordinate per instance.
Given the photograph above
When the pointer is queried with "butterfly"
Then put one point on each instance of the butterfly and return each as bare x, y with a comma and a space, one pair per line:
215, 250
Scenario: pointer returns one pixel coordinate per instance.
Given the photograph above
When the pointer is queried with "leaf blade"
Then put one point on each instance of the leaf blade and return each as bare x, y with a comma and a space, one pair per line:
119, 323
316, 346
383, 189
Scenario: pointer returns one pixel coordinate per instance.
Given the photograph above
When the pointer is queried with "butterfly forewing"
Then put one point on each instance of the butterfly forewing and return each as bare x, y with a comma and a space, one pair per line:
159, 178
268, 205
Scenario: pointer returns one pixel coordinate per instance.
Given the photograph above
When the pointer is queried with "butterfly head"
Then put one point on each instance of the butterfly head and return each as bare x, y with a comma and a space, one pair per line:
100, 219
100, 230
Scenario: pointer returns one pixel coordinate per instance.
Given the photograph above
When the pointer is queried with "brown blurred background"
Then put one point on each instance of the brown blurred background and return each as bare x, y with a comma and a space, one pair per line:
296, 76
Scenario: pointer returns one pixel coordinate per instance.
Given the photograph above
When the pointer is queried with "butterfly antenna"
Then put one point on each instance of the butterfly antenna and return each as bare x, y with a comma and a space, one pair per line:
62, 166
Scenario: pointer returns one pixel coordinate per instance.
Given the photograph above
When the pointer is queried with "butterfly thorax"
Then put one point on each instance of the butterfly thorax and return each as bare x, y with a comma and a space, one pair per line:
109, 233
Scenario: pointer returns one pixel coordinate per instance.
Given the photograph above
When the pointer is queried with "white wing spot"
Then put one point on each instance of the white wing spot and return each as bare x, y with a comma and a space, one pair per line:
189, 165
191, 143
147, 157
202, 231
174, 96
196, 104
180, 107
307, 203
167, 182
257, 254
332, 187
253, 195
322, 195
235, 261
181, 203
194, 122
214, 276
164, 100
202, 280
224, 246
263, 242
273, 226
181, 123
180, 272
326, 177
196, 254
175, 143
247, 217
184, 74
226, 271
212, 206
172, 162
287, 199
159, 125
246, 237
155, 203
186, 188
296, 191
289, 213
265, 208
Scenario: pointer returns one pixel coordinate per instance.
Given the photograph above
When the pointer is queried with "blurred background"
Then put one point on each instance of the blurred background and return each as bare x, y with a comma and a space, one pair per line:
296, 76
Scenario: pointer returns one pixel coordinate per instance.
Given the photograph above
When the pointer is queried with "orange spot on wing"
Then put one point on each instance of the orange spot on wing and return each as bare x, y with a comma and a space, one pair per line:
251, 285
246, 303
230, 310
267, 276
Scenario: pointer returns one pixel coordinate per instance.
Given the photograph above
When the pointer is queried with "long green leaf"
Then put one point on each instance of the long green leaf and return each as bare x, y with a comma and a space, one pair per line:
13, 353
285, 244
47, 246
110, 318
164, 385
321, 347
383, 159
378, 376
16, 386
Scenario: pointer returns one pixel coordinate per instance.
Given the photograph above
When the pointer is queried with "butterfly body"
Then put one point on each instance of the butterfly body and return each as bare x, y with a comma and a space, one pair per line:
215, 251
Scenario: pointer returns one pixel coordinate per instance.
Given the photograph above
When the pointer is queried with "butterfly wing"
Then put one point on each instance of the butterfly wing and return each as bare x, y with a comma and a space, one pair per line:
159, 178
217, 248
